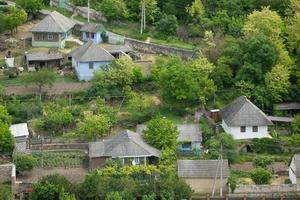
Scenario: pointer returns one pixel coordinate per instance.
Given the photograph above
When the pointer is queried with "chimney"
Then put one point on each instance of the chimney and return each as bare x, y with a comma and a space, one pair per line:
215, 115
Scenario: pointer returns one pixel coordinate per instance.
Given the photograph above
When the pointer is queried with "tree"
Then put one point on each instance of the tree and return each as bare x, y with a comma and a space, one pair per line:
278, 82
7, 140
266, 22
93, 126
196, 11
40, 78
113, 196
5, 118
5, 192
15, 18
293, 31
52, 187
222, 74
167, 26
161, 133
296, 124
24, 163
186, 82
105, 110
114, 9
261, 176
32, 7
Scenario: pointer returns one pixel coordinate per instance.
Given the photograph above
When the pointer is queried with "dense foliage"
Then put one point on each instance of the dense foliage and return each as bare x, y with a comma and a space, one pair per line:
24, 163
261, 176
5, 192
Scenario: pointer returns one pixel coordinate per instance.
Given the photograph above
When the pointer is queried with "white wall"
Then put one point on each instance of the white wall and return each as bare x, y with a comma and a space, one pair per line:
235, 131
84, 73
292, 171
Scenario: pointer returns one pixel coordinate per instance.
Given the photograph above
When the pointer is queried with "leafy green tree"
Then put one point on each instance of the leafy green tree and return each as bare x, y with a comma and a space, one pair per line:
5, 118
293, 31
296, 124
105, 110
113, 196
278, 82
15, 18
32, 7
222, 74
188, 83
196, 11
261, 176
40, 78
167, 26
167, 161
232, 181
149, 197
24, 163
266, 22
5, 192
161, 133
7, 141
114, 9
52, 187
267, 145
152, 10
94, 126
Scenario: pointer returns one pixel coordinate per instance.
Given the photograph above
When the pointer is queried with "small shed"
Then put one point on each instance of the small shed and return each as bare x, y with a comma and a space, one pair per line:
92, 32
200, 174
21, 134
292, 108
118, 50
43, 59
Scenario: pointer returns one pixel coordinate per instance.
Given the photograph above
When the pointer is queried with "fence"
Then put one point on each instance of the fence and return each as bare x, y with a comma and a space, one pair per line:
159, 49
74, 146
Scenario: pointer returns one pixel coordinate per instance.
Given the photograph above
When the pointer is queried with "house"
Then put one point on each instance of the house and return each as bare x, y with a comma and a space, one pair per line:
200, 174
294, 170
40, 60
291, 108
118, 50
128, 147
243, 120
92, 32
89, 58
52, 31
21, 133
189, 138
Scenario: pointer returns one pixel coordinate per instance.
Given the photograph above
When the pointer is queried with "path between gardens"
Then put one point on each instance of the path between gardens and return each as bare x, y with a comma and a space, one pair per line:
55, 89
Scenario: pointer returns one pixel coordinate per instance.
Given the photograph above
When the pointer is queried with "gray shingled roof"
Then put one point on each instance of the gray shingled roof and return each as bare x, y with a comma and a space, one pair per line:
43, 56
91, 52
54, 23
288, 106
201, 168
187, 132
117, 48
296, 158
125, 144
242, 112
92, 28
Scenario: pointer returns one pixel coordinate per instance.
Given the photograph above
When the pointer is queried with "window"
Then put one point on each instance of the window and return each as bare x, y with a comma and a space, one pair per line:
254, 128
50, 36
186, 145
243, 129
92, 35
91, 65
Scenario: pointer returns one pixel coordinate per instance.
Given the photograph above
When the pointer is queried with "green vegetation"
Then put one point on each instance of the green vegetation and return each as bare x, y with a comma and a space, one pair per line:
7, 140
24, 163
5, 192
261, 176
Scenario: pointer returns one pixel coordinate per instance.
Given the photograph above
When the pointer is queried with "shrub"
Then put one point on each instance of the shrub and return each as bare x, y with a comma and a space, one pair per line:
12, 72
267, 146
25, 163
113, 196
232, 181
7, 140
5, 193
296, 124
149, 197
104, 37
262, 161
261, 176
167, 26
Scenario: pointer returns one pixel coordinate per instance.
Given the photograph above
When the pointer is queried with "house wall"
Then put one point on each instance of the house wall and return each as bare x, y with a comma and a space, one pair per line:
204, 185
57, 42
82, 69
235, 131
95, 163
97, 38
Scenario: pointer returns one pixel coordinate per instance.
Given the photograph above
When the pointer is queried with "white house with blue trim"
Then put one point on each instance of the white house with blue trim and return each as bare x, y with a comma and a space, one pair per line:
88, 59
92, 32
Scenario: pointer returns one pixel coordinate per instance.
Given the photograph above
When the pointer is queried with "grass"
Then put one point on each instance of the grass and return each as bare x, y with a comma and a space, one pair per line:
5, 81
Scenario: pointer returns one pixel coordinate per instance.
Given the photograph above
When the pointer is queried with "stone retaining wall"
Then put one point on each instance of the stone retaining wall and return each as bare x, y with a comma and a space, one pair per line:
159, 49
265, 189
77, 146
7, 173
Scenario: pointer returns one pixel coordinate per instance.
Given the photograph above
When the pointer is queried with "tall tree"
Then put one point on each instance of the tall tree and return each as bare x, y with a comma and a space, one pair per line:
7, 140
32, 7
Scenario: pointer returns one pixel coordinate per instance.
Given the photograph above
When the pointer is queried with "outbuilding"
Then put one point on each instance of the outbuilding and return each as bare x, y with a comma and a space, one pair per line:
21, 134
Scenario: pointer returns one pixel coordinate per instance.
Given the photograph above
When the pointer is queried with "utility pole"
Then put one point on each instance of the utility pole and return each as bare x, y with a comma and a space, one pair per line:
51, 4
221, 174
215, 179
88, 11
143, 16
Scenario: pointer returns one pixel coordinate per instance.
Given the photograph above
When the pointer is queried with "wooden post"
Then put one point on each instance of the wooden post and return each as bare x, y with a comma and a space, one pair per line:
264, 197
281, 196
208, 198
245, 197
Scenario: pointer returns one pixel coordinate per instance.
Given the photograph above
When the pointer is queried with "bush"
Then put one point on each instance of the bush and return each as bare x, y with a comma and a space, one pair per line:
104, 37
167, 26
262, 161
207, 131
12, 72
25, 163
232, 181
113, 196
5, 193
267, 146
7, 140
261, 176
149, 197
296, 124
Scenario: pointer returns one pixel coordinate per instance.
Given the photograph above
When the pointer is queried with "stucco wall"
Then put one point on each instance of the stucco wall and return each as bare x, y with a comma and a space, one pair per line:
7, 173
205, 185
158, 49
97, 37
235, 131
84, 73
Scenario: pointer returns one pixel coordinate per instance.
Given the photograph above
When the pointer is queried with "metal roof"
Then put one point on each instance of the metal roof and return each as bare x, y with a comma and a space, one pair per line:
125, 144
54, 23
201, 168
281, 119
43, 56
91, 52
242, 112
19, 130
288, 106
